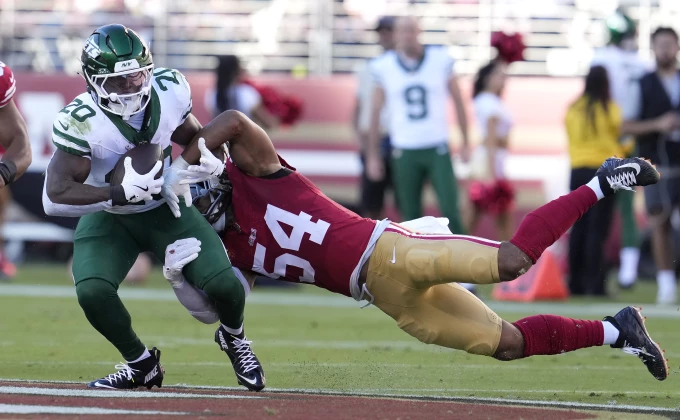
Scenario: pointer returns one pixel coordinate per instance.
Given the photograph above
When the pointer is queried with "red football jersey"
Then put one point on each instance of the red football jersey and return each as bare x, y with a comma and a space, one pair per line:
291, 230
7, 84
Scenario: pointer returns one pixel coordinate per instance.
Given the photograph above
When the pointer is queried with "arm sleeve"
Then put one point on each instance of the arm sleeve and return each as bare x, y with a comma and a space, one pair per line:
196, 302
7, 85
66, 210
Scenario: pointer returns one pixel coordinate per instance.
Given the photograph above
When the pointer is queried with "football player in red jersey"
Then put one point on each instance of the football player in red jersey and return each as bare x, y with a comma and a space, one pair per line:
14, 148
275, 222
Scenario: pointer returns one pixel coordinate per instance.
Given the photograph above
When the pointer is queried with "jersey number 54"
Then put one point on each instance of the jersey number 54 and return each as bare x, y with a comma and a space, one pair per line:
301, 223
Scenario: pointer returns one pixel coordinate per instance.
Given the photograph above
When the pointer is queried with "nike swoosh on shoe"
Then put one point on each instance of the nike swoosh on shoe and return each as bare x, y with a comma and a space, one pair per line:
250, 381
630, 165
98, 385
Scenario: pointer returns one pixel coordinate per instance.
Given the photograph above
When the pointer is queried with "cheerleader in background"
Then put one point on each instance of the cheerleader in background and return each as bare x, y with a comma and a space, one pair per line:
267, 106
232, 92
490, 192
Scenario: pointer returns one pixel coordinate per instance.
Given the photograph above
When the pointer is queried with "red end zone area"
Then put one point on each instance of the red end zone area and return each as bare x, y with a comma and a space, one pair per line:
21, 400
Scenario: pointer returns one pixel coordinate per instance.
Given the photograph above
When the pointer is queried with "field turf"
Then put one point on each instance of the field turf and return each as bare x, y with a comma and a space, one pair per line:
309, 339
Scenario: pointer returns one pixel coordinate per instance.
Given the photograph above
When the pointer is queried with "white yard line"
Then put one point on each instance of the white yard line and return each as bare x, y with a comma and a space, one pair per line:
336, 301
87, 411
376, 393
108, 393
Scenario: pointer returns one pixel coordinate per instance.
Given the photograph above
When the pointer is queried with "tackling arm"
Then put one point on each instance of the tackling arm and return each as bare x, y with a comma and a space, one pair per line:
186, 132
250, 148
14, 138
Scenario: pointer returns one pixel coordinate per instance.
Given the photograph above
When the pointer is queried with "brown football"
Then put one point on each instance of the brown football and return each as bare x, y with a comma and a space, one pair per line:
144, 157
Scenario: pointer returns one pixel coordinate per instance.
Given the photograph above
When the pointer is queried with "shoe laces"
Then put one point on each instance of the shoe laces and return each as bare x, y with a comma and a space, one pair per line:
635, 351
622, 181
245, 355
124, 372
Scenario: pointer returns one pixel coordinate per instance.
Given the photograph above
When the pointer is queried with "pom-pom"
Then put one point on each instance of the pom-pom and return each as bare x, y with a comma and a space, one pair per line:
287, 108
510, 47
493, 198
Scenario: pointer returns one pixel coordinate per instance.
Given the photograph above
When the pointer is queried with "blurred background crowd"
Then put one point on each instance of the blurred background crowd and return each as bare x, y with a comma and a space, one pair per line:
535, 94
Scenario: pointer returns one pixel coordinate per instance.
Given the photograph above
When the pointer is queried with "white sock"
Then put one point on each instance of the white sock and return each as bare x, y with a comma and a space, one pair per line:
142, 357
665, 279
667, 289
611, 333
594, 185
233, 331
628, 271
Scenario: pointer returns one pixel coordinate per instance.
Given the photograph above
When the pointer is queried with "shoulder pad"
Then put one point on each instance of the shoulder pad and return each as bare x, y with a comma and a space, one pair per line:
172, 86
73, 126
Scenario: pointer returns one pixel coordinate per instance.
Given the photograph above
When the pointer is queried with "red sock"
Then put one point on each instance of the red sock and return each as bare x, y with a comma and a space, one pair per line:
552, 334
543, 226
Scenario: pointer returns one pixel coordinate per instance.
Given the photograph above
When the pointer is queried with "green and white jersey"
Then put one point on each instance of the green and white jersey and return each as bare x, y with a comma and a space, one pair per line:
416, 97
84, 129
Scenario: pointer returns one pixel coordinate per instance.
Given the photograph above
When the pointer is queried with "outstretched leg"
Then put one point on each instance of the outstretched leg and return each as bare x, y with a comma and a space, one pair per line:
551, 334
406, 270
544, 226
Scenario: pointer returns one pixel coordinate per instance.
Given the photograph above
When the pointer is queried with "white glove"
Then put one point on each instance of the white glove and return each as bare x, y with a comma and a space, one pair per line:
140, 187
172, 187
177, 255
210, 167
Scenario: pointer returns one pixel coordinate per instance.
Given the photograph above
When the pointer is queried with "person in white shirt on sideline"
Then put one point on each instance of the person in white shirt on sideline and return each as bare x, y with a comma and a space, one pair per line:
414, 82
494, 193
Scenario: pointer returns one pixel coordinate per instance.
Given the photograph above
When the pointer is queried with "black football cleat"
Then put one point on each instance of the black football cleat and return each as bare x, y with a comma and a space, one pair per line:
147, 372
634, 339
247, 368
617, 174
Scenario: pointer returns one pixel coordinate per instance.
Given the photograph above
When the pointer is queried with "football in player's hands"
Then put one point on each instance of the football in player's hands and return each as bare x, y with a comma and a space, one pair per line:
139, 172
144, 157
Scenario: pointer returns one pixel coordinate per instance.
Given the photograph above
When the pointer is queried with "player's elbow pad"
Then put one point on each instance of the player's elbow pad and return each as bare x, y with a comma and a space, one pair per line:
207, 317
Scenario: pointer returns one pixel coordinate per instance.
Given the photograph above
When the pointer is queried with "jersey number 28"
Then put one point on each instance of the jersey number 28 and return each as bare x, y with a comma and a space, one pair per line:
301, 223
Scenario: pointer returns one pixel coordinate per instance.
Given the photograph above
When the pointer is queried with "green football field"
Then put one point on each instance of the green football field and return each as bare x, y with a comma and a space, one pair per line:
309, 339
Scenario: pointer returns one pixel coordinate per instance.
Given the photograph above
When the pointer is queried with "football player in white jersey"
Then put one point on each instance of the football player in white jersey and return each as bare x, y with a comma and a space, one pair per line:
128, 103
414, 82
625, 67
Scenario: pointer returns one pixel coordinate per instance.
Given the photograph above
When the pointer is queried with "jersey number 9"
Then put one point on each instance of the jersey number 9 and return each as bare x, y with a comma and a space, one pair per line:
416, 101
